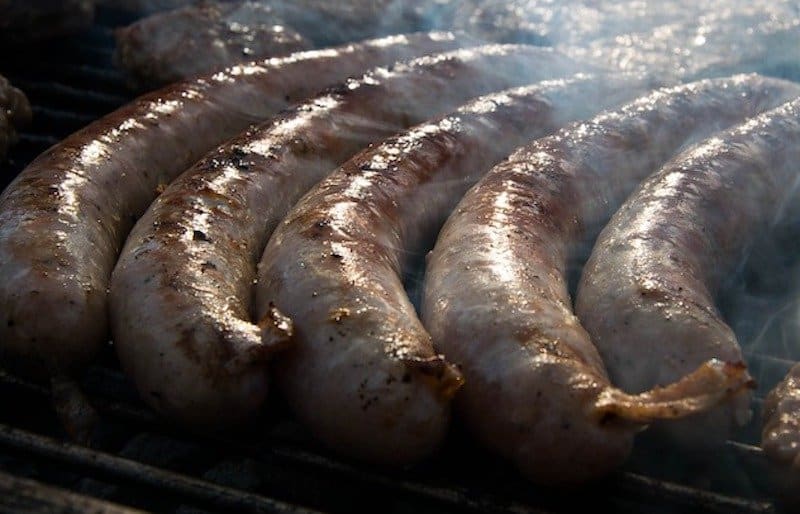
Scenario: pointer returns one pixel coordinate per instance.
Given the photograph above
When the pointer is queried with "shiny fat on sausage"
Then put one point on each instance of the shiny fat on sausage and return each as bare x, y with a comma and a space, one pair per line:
496, 299
646, 296
780, 437
362, 373
181, 292
64, 218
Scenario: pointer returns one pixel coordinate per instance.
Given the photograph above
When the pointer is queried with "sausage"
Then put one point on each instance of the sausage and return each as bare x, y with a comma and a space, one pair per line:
15, 113
699, 213
194, 39
362, 373
496, 300
64, 218
646, 296
780, 437
181, 292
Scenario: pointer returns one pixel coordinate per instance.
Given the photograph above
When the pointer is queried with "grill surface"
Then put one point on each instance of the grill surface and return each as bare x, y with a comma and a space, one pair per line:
136, 461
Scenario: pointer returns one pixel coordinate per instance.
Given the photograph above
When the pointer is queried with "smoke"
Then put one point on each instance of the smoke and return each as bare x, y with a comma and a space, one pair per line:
678, 38
761, 302
761, 37
673, 38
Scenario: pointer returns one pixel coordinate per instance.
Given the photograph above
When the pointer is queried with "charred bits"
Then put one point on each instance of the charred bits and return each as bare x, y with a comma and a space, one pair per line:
239, 158
337, 315
319, 230
199, 235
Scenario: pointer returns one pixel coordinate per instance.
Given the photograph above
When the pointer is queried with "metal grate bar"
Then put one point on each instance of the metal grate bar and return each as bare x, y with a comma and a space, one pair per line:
781, 479
625, 483
81, 75
58, 120
697, 499
24, 496
37, 140
104, 464
452, 495
95, 52
40, 92
146, 419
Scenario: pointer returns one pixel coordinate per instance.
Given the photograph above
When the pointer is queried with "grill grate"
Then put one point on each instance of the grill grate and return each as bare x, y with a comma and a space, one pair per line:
29, 497
69, 83
272, 465
281, 452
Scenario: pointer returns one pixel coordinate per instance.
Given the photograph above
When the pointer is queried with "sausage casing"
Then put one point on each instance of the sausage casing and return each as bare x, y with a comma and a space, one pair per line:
64, 218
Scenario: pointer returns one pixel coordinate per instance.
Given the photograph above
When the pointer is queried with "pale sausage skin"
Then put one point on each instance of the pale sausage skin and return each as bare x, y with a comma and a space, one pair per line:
646, 296
181, 292
64, 218
496, 300
362, 373
780, 437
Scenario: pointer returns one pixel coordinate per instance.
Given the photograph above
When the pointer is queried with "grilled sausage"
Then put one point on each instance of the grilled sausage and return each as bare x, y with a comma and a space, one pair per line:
496, 300
15, 112
65, 217
185, 42
328, 23
182, 290
646, 296
780, 437
363, 375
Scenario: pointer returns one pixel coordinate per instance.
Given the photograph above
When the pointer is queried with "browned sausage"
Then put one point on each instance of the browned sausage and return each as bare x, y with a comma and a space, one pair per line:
181, 292
496, 299
15, 113
647, 292
65, 217
185, 42
363, 375
780, 437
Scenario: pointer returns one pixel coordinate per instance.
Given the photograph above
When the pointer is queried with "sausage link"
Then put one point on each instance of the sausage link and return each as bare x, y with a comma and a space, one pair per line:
64, 218
196, 39
496, 299
646, 296
780, 437
182, 290
15, 113
363, 375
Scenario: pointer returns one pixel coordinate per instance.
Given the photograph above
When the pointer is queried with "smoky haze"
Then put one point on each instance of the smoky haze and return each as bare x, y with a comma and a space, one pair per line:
682, 38
677, 40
